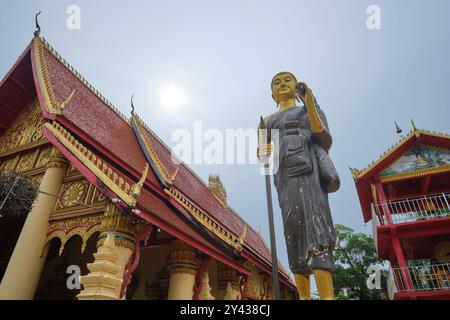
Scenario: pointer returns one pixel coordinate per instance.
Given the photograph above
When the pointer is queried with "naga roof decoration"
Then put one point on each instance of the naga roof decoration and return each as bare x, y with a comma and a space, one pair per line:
148, 140
115, 150
139, 126
94, 163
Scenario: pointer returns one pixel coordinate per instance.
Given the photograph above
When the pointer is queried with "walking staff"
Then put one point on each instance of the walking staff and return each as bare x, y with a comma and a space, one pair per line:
273, 246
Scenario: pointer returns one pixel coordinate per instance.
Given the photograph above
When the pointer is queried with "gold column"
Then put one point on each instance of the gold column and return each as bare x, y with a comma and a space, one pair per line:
25, 266
183, 269
115, 246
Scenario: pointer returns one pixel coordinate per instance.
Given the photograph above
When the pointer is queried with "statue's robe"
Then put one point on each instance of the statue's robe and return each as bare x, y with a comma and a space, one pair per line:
308, 225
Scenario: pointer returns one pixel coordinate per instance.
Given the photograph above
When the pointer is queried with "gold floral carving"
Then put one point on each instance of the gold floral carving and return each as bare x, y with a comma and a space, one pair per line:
26, 162
9, 164
72, 170
25, 130
98, 196
44, 157
84, 227
209, 223
37, 179
103, 171
72, 194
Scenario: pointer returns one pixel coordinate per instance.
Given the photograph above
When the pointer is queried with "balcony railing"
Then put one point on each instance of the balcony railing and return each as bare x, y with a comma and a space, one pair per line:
429, 277
410, 210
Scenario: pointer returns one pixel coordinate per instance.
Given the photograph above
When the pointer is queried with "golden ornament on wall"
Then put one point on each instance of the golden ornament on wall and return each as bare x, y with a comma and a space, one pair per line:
37, 180
26, 129
9, 164
44, 157
26, 162
84, 227
73, 193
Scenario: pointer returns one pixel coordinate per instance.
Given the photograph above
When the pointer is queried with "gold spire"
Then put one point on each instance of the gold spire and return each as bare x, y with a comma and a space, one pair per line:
217, 188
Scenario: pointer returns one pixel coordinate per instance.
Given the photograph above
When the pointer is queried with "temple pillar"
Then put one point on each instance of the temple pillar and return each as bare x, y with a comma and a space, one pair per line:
182, 269
205, 292
116, 245
27, 260
228, 283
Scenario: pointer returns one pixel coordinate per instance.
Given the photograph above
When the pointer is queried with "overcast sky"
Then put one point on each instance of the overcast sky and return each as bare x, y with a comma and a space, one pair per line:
223, 55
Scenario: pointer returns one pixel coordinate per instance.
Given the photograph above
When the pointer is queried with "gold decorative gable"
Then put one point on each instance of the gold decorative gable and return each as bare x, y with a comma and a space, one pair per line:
52, 104
25, 130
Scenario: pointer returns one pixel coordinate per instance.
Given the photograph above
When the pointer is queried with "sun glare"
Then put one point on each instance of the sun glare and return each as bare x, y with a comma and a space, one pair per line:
172, 97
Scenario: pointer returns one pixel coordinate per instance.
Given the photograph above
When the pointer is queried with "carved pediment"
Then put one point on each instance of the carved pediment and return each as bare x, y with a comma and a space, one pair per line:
419, 158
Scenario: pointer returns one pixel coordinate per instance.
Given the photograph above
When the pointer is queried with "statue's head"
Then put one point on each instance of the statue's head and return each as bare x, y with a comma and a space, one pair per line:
284, 87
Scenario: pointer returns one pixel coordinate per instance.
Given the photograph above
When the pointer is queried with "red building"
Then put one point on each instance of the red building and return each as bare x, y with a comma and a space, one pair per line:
406, 194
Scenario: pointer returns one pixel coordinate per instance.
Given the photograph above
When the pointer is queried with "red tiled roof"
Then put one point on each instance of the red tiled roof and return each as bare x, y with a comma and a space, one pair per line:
93, 116
100, 124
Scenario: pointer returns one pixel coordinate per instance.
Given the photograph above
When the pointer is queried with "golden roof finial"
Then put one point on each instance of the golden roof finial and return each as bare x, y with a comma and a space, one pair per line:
132, 105
37, 32
355, 172
217, 188
136, 189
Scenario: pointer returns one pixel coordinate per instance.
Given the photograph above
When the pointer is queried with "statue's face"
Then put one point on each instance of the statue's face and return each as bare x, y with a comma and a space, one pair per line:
283, 87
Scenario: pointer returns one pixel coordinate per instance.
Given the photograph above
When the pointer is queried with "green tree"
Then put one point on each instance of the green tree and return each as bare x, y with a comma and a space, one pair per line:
354, 254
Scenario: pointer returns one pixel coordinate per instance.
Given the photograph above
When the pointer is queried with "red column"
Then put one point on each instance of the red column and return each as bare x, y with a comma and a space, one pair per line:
401, 259
383, 200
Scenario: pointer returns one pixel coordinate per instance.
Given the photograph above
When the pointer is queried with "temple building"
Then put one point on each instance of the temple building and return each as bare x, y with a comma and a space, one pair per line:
112, 203
406, 194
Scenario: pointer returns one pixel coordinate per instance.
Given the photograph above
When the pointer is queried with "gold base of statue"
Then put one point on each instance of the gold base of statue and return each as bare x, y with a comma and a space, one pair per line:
324, 283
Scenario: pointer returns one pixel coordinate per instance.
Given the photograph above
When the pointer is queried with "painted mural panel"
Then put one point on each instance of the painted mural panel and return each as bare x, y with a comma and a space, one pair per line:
417, 158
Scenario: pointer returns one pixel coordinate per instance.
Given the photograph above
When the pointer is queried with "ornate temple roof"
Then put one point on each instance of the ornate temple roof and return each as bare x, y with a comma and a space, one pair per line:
392, 153
112, 152
399, 163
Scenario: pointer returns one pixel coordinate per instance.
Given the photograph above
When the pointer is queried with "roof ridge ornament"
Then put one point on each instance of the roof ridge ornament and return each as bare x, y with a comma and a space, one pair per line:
37, 32
397, 128
136, 189
413, 125
132, 105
